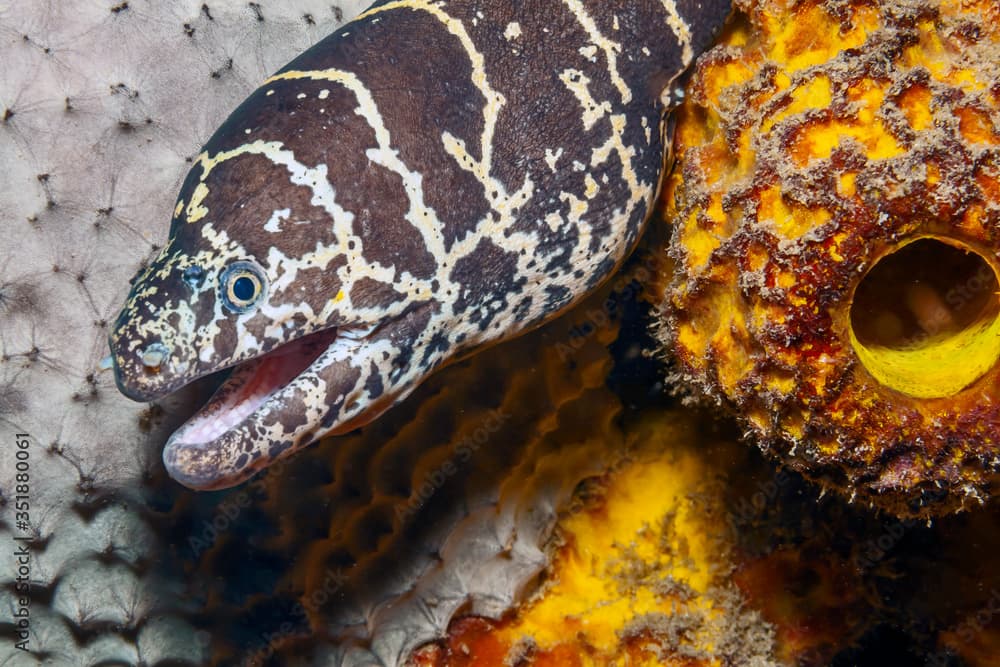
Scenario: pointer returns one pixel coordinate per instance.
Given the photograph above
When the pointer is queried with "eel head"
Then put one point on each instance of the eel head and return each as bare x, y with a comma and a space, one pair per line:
312, 349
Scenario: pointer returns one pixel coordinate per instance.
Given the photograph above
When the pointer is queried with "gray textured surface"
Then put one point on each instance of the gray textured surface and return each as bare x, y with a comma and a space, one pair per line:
101, 105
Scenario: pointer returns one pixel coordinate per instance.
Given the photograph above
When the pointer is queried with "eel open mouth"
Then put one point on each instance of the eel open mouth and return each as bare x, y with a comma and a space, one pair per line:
268, 407
250, 385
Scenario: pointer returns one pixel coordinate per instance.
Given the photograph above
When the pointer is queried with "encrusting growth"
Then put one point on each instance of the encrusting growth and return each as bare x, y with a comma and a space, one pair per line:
835, 209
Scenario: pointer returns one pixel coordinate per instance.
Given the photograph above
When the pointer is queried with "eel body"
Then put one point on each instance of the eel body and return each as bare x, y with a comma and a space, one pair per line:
431, 178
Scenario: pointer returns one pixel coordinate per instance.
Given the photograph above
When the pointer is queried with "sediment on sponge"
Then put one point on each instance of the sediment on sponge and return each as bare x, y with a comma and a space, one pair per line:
835, 206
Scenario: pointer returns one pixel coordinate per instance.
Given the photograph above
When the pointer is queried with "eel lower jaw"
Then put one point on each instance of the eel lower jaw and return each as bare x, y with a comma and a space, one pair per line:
216, 447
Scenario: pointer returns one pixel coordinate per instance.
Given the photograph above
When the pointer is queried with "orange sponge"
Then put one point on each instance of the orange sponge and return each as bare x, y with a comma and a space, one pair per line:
836, 230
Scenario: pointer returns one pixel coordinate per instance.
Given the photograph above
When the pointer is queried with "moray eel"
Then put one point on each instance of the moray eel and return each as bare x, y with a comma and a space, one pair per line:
433, 177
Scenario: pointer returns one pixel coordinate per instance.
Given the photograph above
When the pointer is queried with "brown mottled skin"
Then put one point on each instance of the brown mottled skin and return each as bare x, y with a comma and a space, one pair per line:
429, 179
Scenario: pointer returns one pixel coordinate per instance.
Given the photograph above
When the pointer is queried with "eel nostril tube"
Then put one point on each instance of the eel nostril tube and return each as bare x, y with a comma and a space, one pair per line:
154, 356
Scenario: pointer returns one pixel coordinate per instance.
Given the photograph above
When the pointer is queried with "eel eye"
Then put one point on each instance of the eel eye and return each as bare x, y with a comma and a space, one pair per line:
194, 276
242, 286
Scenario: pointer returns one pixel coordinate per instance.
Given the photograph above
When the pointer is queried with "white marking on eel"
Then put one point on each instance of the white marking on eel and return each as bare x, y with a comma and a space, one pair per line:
577, 82
681, 30
273, 225
611, 49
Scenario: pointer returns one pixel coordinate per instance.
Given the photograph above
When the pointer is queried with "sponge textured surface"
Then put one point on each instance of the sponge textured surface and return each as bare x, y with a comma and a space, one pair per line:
820, 140
102, 105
